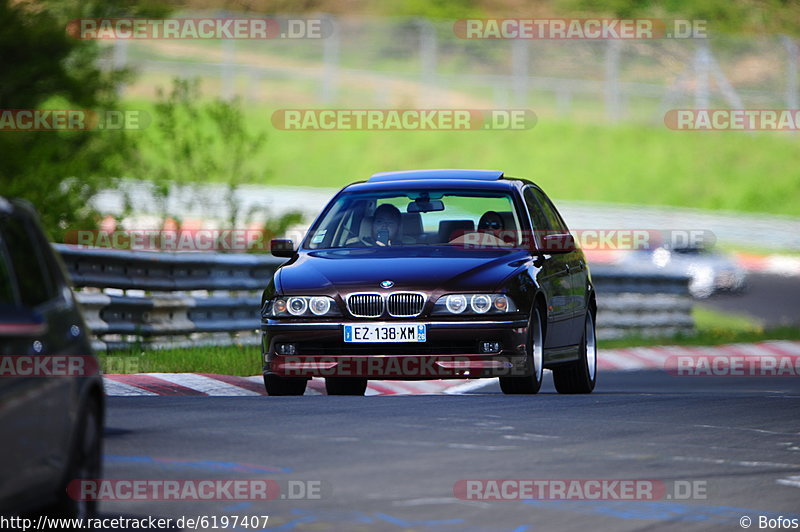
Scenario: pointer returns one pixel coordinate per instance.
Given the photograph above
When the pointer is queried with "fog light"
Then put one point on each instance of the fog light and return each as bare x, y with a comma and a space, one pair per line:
286, 349
490, 347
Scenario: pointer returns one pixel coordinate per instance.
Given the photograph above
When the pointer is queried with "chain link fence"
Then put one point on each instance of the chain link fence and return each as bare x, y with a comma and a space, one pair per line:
400, 62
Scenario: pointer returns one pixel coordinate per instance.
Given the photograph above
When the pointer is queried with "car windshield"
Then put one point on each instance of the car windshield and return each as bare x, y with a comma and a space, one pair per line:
418, 218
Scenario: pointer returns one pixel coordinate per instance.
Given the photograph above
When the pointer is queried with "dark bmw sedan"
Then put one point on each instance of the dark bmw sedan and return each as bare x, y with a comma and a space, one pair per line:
431, 274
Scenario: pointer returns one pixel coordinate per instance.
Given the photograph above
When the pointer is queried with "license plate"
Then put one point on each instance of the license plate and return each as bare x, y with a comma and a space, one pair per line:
384, 332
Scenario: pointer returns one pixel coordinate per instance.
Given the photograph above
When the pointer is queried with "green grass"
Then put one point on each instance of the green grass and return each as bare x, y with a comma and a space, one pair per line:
708, 320
571, 161
229, 360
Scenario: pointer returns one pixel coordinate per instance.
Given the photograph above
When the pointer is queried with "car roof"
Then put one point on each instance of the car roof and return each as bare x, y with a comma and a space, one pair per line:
439, 179
449, 173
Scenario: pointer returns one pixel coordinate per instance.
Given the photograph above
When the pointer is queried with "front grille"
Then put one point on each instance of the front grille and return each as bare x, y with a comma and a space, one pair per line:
365, 305
405, 304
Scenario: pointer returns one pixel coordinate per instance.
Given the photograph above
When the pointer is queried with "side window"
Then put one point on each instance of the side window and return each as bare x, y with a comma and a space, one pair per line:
35, 284
554, 221
552, 214
541, 223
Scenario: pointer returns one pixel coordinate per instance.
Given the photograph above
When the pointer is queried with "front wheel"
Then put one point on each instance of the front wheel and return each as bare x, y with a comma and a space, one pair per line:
276, 385
580, 376
529, 384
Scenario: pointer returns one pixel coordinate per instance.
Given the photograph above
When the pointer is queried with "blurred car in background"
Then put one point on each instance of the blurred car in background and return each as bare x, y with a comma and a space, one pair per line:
709, 271
51, 393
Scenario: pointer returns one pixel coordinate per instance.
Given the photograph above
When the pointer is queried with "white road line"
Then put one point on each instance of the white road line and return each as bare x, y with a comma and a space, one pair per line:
743, 463
116, 388
440, 500
204, 384
791, 481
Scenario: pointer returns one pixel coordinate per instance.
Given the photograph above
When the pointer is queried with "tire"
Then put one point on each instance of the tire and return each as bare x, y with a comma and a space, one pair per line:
580, 376
529, 384
276, 385
345, 385
85, 462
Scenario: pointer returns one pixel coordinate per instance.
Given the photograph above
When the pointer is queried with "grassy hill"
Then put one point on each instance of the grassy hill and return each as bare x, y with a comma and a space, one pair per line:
579, 161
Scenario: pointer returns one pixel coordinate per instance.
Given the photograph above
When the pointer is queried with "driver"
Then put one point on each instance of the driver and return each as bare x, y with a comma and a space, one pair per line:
386, 225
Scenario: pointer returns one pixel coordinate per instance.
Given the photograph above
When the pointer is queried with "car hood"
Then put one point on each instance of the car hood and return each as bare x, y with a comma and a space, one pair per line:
428, 269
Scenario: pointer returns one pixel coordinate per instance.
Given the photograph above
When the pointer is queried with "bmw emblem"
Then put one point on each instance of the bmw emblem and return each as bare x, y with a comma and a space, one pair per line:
387, 284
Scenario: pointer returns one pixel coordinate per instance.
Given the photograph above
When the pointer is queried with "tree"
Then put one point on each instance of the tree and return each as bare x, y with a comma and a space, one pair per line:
58, 171
194, 142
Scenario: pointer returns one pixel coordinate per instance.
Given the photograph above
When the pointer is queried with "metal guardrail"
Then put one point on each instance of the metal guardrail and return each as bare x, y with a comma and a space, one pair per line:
641, 303
168, 299
157, 271
184, 299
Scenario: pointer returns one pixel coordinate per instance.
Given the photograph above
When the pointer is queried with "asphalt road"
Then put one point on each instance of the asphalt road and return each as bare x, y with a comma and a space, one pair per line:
774, 300
391, 462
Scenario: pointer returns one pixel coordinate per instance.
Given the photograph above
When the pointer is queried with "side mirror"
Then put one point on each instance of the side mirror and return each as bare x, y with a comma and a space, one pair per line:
281, 247
555, 244
20, 322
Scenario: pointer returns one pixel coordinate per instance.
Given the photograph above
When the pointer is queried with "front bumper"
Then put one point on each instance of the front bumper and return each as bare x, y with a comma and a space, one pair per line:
451, 351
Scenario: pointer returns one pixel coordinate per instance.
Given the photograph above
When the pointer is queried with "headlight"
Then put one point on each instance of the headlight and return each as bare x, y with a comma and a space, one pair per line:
320, 305
300, 306
480, 303
297, 306
456, 304
474, 304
